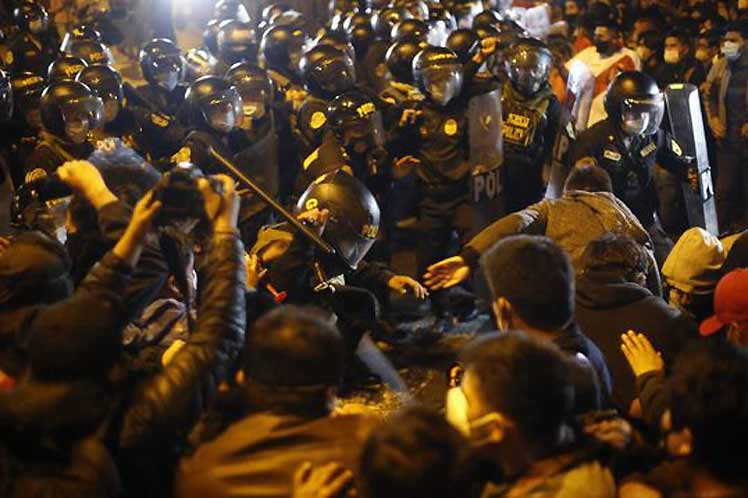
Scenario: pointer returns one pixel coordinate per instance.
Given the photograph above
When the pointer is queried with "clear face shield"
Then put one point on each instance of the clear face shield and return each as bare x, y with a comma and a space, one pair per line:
81, 116
642, 116
335, 76
167, 71
438, 33
363, 135
255, 102
442, 83
528, 71
224, 112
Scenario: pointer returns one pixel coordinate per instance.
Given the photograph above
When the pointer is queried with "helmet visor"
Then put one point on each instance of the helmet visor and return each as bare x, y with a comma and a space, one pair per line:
334, 76
255, 100
442, 83
81, 116
167, 71
224, 112
642, 116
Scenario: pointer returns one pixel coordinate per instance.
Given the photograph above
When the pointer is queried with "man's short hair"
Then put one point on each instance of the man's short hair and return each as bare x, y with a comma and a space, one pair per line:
709, 392
525, 379
586, 175
617, 254
737, 27
414, 453
293, 347
535, 276
712, 37
683, 36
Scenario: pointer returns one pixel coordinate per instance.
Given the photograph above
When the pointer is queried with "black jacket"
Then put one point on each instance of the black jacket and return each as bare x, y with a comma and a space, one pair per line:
607, 306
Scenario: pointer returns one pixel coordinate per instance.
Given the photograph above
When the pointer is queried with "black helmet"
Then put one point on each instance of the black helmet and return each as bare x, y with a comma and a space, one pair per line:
338, 40
65, 67
360, 31
327, 71
354, 214
31, 16
464, 42
399, 59
82, 32
210, 35
356, 121
6, 97
487, 18
528, 65
384, 20
27, 90
438, 12
106, 83
635, 103
295, 20
70, 110
214, 102
273, 10
91, 51
230, 9
255, 88
438, 74
161, 63
281, 48
484, 32
411, 30
236, 42
418, 9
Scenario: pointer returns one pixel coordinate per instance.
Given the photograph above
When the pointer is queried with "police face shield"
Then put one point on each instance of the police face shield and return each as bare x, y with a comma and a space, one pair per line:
224, 112
442, 83
642, 116
112, 101
255, 102
334, 76
364, 134
81, 116
167, 71
529, 70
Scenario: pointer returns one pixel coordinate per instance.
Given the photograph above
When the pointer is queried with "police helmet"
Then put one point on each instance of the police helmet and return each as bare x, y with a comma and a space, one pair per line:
161, 63
70, 110
438, 74
106, 83
412, 30
327, 71
65, 67
281, 47
31, 16
255, 88
635, 103
214, 102
464, 42
236, 42
399, 59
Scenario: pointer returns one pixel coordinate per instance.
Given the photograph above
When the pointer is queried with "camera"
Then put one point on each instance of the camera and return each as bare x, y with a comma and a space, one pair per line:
179, 195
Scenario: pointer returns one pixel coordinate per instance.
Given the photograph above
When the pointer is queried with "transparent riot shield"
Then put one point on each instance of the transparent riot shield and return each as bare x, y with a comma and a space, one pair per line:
687, 128
486, 158
580, 87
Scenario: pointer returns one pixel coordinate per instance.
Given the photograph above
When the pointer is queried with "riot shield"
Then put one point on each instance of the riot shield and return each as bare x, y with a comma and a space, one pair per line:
580, 87
558, 169
687, 128
486, 157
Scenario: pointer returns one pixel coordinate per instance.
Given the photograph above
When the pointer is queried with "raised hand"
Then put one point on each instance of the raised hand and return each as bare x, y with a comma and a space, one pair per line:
446, 273
641, 355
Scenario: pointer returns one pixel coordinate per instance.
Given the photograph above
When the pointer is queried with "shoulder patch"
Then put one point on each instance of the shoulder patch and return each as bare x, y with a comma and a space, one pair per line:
612, 155
183, 155
318, 120
450, 127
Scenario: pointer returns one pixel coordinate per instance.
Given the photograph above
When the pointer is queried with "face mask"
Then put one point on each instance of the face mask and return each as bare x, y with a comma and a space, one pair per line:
168, 81
731, 50
635, 125
77, 130
702, 55
671, 56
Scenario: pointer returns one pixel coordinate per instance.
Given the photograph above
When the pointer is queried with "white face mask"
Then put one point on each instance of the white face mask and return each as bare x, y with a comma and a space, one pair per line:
671, 55
635, 125
731, 50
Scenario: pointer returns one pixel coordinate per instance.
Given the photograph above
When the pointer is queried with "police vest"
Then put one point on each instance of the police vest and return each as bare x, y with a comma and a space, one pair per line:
523, 124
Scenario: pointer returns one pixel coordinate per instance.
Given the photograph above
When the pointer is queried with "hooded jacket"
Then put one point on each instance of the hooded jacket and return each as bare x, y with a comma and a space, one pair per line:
607, 306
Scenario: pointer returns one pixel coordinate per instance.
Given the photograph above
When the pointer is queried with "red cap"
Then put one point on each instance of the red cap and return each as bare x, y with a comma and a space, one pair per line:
730, 302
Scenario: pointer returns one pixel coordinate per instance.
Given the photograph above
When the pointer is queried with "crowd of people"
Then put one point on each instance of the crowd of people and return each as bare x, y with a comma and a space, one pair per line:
197, 266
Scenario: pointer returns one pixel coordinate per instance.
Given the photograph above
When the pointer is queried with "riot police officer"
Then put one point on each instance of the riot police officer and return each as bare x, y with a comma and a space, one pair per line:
531, 119
215, 113
91, 51
82, 32
155, 104
327, 72
70, 111
23, 129
35, 45
438, 135
411, 30
256, 139
281, 50
116, 120
628, 143
65, 67
464, 42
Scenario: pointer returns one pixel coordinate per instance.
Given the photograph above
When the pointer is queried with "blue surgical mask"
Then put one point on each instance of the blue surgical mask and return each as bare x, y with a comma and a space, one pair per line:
731, 50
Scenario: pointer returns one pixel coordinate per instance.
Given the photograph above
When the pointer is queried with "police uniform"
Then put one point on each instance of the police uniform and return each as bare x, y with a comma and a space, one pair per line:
529, 130
632, 169
160, 129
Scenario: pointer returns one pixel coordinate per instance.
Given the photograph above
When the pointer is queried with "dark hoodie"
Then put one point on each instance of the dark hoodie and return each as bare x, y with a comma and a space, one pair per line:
608, 306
